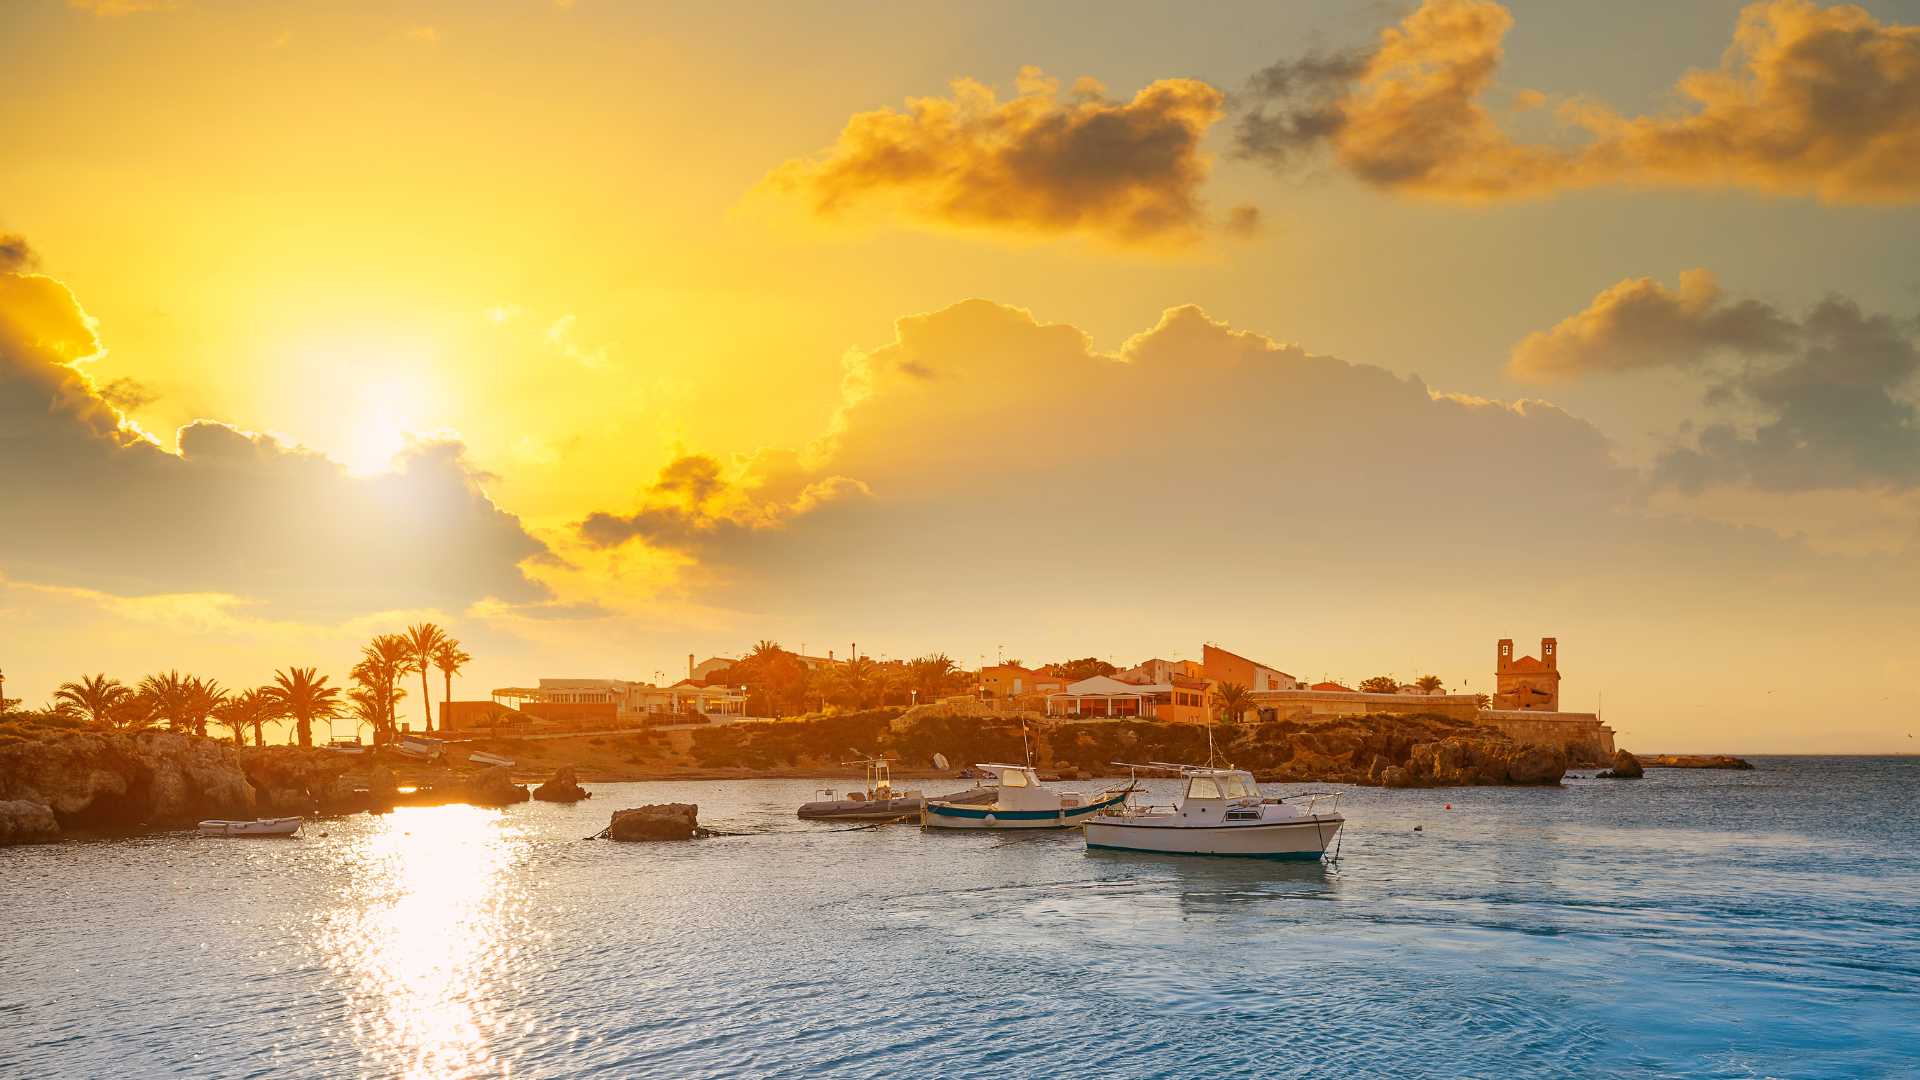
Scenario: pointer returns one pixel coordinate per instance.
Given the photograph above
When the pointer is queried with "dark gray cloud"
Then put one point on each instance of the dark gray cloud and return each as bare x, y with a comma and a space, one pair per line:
1292, 107
1839, 413
15, 254
1640, 323
695, 503
89, 501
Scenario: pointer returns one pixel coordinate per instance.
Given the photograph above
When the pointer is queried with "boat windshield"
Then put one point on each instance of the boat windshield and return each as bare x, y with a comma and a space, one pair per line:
1013, 778
1203, 787
1236, 786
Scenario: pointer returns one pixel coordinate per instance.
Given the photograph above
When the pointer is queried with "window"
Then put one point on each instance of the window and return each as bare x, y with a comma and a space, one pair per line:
1236, 787
1202, 787
1013, 778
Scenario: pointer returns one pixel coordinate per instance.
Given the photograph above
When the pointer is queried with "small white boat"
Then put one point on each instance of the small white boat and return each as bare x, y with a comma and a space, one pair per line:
1221, 812
479, 758
1020, 802
879, 802
278, 826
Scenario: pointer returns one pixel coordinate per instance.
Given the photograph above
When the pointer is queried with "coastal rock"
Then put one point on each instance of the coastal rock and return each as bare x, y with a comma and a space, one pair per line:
296, 779
1625, 767
116, 780
494, 787
660, 821
1694, 761
23, 822
383, 791
563, 787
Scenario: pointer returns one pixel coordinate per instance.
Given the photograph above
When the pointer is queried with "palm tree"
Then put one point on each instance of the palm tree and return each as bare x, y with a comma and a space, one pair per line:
305, 696
1230, 701
250, 709
382, 662
1429, 684
449, 658
204, 698
369, 707
100, 698
166, 697
423, 641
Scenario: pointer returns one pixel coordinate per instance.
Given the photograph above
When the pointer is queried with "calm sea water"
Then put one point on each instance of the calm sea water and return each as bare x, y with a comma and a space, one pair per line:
1694, 923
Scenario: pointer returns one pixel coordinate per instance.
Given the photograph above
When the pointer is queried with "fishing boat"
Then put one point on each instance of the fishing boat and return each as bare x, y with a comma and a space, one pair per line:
279, 826
1220, 811
880, 801
1020, 801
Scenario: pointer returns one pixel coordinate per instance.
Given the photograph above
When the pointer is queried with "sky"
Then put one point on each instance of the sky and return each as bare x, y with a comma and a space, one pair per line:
1352, 337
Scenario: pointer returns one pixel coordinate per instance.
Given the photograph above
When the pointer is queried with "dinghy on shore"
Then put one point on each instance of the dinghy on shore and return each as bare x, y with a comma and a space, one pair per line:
279, 826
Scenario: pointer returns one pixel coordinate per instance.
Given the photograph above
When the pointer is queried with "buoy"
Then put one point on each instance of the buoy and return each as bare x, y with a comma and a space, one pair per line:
991, 819
1449, 806
1416, 828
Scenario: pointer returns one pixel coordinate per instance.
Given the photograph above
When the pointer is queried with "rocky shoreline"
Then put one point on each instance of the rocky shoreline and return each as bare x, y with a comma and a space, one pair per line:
1694, 761
57, 781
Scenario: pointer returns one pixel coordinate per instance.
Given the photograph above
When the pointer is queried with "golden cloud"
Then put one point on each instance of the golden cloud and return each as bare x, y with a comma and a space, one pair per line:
1640, 323
1128, 172
1810, 101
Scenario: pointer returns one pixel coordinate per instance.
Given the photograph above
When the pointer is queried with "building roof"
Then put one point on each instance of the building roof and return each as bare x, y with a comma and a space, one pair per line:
1107, 686
1528, 663
1332, 686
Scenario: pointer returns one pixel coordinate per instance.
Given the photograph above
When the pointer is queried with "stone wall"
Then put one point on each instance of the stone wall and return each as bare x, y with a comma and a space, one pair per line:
1309, 705
1582, 735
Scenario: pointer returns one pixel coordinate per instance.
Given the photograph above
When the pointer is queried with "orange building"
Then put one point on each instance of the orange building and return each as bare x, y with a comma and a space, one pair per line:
1222, 666
1528, 683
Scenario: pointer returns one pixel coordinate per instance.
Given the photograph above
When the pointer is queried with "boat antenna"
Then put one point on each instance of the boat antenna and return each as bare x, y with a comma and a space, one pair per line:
1025, 748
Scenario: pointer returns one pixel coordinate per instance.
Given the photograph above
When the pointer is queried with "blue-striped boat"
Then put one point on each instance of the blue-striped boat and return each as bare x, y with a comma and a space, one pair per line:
1020, 802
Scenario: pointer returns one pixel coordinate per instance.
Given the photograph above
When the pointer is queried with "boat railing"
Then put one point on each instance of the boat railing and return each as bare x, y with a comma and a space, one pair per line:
1310, 800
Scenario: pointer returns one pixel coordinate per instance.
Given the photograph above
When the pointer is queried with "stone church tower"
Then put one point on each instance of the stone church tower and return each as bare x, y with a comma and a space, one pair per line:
1527, 682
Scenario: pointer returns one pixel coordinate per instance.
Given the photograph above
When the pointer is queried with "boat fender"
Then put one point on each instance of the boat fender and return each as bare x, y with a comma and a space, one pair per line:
991, 820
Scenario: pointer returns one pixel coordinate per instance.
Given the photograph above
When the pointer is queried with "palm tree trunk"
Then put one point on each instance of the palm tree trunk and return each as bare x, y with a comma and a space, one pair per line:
304, 725
426, 699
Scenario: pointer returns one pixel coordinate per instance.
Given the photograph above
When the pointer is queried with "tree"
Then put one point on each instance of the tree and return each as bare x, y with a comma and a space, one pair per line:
1429, 684
204, 698
777, 681
1381, 684
182, 701
449, 658
305, 696
1084, 668
249, 710
1482, 700
1229, 701
931, 677
100, 699
423, 641
382, 662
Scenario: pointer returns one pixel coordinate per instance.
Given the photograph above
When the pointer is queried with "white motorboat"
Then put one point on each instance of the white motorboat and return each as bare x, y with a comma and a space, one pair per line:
1221, 812
880, 801
279, 826
1020, 801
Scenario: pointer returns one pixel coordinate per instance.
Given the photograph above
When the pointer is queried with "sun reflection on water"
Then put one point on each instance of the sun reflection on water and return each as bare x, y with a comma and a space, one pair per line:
431, 918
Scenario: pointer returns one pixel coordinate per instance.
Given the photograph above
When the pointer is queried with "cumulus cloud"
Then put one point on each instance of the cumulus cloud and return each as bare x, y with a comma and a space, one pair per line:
1640, 323
1810, 101
696, 502
997, 452
1127, 171
91, 501
1839, 413
1818, 402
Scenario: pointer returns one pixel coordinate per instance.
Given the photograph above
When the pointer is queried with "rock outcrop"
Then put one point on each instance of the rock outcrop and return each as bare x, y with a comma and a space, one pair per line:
489, 787
110, 779
1694, 761
1625, 767
1395, 751
563, 787
24, 822
301, 780
660, 821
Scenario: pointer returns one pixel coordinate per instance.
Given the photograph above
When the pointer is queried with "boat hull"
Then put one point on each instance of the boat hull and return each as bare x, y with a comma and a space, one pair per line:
940, 815
260, 827
864, 810
1304, 839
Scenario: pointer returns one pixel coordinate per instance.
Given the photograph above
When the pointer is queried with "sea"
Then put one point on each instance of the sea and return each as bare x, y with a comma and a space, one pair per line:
1694, 923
